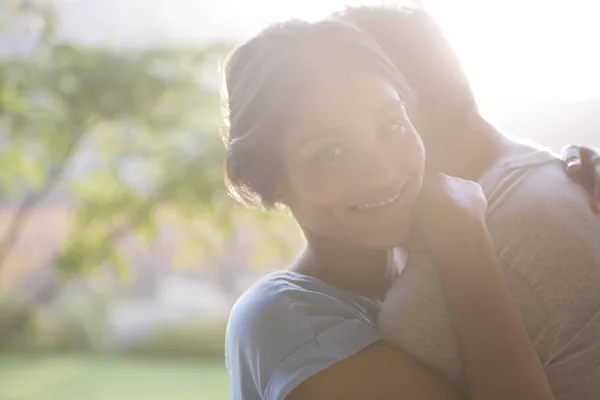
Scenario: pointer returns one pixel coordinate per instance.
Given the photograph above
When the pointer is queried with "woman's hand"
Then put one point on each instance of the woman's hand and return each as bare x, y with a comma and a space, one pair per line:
450, 213
583, 164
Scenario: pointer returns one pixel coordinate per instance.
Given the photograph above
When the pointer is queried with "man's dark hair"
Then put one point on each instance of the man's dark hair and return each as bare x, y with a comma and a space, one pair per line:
421, 52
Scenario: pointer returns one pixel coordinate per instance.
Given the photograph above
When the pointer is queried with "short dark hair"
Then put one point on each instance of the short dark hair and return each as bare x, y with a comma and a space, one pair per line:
262, 74
420, 51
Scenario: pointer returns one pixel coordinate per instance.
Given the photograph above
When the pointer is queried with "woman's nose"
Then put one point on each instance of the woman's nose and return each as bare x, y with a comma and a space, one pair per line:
375, 168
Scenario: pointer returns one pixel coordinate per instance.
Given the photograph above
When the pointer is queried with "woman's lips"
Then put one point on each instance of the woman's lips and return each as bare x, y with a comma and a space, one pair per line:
383, 203
378, 204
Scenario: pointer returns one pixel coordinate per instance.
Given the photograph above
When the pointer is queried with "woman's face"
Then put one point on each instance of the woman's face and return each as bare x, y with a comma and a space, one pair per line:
354, 163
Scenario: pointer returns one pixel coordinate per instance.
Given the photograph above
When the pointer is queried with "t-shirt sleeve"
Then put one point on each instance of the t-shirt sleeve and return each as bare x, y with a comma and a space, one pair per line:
277, 339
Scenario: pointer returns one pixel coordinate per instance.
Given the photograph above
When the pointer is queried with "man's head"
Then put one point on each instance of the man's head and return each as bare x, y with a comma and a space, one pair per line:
420, 51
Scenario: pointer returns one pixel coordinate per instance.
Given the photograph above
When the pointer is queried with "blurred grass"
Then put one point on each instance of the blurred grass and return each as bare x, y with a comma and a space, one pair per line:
76, 377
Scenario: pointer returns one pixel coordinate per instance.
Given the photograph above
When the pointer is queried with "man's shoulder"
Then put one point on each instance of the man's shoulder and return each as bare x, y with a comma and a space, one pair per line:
536, 213
535, 182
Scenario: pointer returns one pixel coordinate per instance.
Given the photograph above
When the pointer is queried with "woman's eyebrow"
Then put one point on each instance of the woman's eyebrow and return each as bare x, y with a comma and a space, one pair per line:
380, 113
320, 134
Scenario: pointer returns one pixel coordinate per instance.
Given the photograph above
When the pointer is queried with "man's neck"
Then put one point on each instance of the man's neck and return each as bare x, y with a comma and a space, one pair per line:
472, 151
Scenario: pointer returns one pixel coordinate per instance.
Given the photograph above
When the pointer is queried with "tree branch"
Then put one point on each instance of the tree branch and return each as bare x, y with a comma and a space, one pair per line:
21, 216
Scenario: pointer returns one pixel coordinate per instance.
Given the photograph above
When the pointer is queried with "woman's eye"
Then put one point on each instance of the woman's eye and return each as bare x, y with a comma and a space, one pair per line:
394, 128
328, 153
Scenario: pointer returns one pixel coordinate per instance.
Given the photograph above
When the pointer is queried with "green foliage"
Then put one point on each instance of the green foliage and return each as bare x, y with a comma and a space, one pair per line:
131, 137
46, 333
76, 377
79, 327
195, 341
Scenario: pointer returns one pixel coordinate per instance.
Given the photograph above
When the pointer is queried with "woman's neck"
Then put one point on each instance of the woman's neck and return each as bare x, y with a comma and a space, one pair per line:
348, 266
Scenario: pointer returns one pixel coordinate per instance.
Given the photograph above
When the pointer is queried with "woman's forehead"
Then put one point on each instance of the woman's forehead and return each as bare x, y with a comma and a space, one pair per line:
344, 94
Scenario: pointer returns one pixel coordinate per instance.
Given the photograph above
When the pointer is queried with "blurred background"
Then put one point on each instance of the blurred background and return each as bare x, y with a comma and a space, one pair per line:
120, 252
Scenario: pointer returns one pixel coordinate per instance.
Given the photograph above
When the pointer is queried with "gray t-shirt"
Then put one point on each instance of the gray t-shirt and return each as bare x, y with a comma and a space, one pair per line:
548, 244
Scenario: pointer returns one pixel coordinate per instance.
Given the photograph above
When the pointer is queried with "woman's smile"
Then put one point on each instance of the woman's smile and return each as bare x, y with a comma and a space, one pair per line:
385, 203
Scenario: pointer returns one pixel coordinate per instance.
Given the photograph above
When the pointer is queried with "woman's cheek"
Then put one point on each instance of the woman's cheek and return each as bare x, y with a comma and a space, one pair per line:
322, 185
416, 154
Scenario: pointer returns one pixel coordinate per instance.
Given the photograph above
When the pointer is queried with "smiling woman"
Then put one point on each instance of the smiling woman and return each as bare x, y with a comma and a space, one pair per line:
354, 162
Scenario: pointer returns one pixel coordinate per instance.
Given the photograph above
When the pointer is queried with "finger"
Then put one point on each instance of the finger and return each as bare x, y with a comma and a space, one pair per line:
571, 156
596, 197
590, 165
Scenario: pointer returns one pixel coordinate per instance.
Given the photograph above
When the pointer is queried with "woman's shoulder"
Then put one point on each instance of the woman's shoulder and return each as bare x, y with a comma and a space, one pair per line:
295, 301
269, 300
288, 326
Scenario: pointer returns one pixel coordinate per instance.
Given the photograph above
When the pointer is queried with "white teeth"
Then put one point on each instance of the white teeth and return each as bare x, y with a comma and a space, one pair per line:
377, 204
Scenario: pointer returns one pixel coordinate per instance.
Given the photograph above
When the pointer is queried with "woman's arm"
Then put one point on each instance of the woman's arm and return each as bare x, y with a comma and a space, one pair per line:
499, 358
379, 372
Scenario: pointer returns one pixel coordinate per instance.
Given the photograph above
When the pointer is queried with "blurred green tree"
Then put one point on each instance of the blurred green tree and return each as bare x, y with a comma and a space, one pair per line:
144, 124
130, 136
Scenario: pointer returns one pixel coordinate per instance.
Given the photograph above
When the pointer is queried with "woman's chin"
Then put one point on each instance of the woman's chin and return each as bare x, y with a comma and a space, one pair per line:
383, 242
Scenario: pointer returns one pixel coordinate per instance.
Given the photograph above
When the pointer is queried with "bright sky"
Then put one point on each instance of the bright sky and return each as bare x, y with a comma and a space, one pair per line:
514, 51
